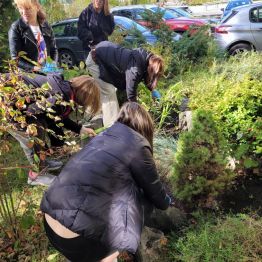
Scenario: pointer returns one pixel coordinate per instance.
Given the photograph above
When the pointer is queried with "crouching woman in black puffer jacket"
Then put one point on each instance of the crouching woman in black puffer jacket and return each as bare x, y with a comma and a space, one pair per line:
94, 210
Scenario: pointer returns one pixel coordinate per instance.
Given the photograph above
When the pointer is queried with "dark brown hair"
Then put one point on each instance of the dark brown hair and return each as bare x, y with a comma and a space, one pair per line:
155, 69
41, 16
87, 92
136, 117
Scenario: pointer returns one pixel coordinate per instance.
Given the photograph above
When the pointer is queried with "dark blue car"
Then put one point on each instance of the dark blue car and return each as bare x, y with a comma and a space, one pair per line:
70, 48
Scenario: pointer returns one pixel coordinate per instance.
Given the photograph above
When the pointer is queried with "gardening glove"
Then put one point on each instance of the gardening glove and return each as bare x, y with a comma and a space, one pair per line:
156, 95
51, 68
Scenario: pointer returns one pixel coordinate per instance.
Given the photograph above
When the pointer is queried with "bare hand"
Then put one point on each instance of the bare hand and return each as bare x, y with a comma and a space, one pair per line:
87, 131
36, 68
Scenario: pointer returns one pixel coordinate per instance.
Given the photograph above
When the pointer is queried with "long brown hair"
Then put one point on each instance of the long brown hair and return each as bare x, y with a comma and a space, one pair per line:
41, 16
87, 92
105, 7
136, 117
155, 69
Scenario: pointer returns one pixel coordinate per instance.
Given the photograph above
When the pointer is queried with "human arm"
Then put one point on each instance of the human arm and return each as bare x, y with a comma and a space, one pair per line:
83, 31
132, 80
107, 24
79, 129
145, 175
15, 46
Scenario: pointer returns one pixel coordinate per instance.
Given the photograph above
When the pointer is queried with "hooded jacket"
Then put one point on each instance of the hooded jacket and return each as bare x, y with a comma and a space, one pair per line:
99, 192
94, 27
124, 68
21, 38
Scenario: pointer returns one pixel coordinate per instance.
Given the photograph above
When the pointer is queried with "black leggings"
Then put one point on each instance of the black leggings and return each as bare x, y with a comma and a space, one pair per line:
77, 249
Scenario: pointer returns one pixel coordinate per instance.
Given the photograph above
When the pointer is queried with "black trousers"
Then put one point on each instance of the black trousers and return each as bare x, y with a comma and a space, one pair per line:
77, 249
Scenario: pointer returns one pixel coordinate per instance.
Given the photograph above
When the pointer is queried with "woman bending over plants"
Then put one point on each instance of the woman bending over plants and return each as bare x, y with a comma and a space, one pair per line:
34, 104
95, 208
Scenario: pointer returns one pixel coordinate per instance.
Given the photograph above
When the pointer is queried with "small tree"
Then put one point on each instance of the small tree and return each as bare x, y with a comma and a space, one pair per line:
200, 171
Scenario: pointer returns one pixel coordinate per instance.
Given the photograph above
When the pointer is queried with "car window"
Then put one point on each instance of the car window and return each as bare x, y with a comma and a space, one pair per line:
229, 16
73, 31
60, 30
184, 13
175, 13
126, 13
138, 12
128, 24
256, 15
167, 14
234, 4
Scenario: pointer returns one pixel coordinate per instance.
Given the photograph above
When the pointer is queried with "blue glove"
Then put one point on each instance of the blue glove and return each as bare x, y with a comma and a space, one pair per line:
51, 68
156, 95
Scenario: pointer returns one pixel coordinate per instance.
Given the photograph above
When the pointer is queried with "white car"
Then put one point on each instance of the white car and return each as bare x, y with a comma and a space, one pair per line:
241, 29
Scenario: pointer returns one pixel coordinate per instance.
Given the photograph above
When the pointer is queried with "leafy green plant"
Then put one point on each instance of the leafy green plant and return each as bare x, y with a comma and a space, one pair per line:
234, 238
232, 91
15, 99
239, 66
200, 172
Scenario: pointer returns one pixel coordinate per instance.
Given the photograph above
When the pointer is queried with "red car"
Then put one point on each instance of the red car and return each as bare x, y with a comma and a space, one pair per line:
179, 25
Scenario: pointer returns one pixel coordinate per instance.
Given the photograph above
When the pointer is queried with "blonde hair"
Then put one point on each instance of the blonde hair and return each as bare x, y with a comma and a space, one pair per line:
155, 69
87, 92
41, 16
136, 117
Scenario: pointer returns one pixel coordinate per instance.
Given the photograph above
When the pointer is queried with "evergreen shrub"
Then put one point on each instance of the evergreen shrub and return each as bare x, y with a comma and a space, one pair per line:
200, 163
194, 48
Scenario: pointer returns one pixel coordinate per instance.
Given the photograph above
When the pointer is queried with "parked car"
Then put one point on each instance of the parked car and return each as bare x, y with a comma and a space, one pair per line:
176, 24
182, 13
179, 11
241, 29
70, 48
233, 4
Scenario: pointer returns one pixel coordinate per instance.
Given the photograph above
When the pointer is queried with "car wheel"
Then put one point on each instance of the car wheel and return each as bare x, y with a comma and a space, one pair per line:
238, 48
67, 58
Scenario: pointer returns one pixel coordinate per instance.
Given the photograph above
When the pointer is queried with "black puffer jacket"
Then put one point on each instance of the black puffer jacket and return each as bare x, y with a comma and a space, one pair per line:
94, 27
124, 68
21, 38
99, 192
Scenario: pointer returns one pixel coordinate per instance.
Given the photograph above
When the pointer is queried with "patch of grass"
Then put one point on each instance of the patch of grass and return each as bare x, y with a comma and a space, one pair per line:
234, 238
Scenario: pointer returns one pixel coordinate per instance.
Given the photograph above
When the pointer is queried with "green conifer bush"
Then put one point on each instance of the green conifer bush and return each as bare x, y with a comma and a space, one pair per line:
200, 163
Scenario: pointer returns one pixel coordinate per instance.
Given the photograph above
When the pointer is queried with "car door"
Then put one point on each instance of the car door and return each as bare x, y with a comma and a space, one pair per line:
75, 42
256, 26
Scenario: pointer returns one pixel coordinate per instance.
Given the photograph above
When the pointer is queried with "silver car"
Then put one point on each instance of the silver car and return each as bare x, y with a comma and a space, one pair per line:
241, 29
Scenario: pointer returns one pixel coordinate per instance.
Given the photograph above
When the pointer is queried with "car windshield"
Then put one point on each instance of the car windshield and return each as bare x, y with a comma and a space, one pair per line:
167, 14
183, 13
128, 24
234, 4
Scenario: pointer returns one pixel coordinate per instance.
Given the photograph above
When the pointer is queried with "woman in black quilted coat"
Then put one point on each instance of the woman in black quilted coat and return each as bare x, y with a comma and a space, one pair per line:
94, 210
